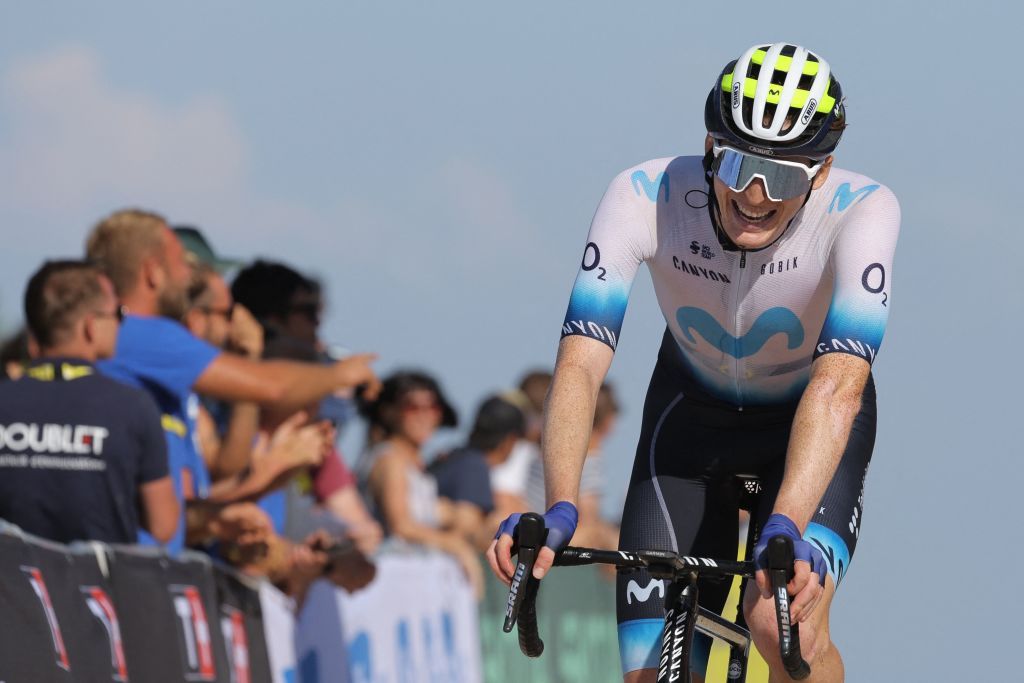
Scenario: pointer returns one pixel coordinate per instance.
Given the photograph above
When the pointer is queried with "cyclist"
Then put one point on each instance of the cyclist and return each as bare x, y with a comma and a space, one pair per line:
773, 271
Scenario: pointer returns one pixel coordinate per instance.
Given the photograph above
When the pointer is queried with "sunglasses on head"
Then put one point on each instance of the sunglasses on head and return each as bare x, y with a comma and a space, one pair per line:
783, 179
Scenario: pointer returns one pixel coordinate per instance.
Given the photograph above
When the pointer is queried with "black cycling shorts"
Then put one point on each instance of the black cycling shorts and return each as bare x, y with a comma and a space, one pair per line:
683, 496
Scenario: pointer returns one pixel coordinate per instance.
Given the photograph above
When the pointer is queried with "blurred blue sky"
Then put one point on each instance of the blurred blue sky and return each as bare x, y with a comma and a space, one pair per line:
438, 165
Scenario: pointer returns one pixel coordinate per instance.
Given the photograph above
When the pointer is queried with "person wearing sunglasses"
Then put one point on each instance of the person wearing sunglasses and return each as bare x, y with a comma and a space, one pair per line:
82, 456
773, 270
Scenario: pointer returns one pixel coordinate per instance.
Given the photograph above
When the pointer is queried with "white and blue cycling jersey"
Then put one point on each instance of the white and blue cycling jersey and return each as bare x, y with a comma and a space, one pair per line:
747, 323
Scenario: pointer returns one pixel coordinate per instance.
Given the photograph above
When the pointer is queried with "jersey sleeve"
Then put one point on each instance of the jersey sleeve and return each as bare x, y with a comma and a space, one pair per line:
862, 264
620, 240
160, 352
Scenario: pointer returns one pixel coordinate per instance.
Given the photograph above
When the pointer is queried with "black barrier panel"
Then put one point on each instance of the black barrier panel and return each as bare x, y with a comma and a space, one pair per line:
32, 643
95, 622
241, 623
169, 621
59, 622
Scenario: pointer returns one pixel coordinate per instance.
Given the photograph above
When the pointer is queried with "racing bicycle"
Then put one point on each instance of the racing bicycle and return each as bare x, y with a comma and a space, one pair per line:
683, 614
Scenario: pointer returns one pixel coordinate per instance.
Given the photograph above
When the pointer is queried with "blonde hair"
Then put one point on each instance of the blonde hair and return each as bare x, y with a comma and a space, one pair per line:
119, 243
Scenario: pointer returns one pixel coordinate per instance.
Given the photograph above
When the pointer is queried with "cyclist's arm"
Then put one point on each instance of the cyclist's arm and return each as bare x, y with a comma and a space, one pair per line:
622, 236
819, 434
569, 414
861, 262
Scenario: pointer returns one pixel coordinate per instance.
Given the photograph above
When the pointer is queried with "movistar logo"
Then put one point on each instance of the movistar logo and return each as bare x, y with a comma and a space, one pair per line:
770, 323
641, 182
844, 197
633, 590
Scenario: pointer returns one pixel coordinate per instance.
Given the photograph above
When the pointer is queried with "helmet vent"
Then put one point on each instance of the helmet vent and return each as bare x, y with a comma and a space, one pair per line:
748, 112
788, 51
791, 116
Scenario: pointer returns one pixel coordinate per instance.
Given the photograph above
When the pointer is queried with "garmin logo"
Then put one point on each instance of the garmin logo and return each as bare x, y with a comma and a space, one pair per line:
809, 111
735, 95
761, 150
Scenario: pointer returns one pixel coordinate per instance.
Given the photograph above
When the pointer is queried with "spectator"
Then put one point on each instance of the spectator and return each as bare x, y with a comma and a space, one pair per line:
285, 302
15, 355
215, 318
406, 415
290, 304
83, 456
147, 265
239, 527
324, 495
509, 480
463, 476
592, 530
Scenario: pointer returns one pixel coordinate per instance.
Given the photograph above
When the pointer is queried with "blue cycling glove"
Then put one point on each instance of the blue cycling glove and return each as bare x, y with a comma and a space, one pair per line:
781, 525
560, 520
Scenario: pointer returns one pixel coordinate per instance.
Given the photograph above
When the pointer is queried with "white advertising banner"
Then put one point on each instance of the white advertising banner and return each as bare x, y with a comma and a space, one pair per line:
416, 623
279, 628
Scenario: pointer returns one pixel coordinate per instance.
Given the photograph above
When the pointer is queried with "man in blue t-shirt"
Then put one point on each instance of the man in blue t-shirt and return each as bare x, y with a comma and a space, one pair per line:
82, 457
146, 263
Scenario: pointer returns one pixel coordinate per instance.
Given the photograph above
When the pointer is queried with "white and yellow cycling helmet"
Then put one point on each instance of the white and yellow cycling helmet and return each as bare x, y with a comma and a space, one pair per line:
777, 100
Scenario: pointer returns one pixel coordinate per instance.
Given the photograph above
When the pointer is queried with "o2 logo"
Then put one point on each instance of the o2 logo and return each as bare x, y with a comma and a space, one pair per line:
592, 260
873, 280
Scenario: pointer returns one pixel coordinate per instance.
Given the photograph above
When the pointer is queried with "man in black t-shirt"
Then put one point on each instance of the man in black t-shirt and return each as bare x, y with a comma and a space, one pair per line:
82, 456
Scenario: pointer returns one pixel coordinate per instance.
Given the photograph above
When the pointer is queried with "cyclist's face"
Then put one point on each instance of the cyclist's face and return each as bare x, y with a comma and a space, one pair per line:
750, 218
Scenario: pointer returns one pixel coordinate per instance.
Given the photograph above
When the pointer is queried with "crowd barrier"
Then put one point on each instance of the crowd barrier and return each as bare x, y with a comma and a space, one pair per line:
92, 613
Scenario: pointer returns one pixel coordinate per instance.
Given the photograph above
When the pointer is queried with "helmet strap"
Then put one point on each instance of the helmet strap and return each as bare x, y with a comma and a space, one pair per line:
715, 211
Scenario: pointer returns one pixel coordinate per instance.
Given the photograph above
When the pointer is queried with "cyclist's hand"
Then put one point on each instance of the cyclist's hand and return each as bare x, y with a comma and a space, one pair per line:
560, 521
809, 570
